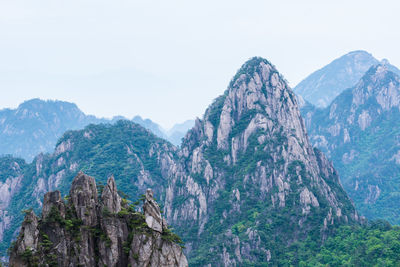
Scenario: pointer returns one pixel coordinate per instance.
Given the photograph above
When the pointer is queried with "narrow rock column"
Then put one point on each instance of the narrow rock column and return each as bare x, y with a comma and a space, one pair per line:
84, 198
113, 226
110, 198
152, 212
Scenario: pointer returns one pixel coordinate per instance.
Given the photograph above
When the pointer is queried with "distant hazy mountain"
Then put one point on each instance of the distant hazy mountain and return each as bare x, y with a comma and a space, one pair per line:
174, 135
178, 131
322, 86
36, 125
150, 125
360, 132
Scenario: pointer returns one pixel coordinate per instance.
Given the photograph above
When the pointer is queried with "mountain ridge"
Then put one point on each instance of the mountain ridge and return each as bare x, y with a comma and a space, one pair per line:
358, 131
323, 85
35, 126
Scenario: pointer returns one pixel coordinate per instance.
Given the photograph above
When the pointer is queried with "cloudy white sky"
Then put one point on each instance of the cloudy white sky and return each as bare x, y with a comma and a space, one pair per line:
167, 59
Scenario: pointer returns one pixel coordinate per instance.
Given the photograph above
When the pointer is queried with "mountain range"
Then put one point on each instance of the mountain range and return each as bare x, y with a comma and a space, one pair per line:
244, 186
35, 126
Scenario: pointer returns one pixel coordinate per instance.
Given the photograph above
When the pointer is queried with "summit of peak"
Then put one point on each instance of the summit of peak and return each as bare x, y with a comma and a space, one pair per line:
256, 92
359, 53
252, 66
37, 103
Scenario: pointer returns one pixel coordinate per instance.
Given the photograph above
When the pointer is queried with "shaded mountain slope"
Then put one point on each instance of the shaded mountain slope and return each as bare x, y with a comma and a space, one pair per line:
360, 132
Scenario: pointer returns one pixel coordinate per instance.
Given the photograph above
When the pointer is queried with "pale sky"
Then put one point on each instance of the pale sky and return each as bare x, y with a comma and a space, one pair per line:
167, 60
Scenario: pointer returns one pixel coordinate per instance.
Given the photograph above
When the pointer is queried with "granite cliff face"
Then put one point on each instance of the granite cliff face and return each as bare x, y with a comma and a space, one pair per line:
360, 132
92, 230
249, 182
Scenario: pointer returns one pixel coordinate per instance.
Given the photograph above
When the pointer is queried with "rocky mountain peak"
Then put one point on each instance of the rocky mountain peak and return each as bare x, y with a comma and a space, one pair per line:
30, 232
254, 84
37, 104
378, 73
257, 94
81, 232
252, 147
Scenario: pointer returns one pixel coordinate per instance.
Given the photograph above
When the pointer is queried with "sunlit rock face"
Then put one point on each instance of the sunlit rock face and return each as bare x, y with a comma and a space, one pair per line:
247, 160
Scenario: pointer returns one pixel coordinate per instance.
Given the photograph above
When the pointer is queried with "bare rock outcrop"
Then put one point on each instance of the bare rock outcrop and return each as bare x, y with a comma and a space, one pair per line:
152, 212
110, 197
91, 231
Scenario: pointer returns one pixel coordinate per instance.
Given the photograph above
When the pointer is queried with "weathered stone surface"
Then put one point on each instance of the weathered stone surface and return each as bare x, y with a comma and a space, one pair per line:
85, 232
52, 200
30, 233
83, 195
110, 198
152, 212
167, 254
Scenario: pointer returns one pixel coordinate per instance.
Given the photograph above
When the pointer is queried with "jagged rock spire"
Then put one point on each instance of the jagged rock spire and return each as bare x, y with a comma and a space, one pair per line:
152, 212
110, 197
81, 233
83, 195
